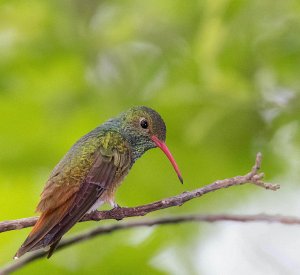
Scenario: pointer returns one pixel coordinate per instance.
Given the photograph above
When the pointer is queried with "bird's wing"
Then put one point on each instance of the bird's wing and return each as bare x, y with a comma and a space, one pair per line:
110, 162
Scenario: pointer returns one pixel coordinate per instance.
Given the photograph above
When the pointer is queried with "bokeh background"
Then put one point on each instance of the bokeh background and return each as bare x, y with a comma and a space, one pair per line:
223, 74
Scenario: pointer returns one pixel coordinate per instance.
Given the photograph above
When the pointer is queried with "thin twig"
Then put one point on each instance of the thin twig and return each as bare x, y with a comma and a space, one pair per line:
252, 177
159, 221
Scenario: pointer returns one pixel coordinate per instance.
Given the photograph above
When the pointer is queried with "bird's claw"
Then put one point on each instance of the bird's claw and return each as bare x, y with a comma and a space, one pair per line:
116, 206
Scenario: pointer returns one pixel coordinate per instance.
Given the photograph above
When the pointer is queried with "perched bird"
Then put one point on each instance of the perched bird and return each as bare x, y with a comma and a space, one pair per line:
89, 174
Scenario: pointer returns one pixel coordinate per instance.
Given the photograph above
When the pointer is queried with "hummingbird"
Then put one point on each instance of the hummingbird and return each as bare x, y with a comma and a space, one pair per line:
89, 174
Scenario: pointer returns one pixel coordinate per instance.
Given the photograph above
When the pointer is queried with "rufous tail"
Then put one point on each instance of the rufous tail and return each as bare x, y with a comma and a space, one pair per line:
44, 224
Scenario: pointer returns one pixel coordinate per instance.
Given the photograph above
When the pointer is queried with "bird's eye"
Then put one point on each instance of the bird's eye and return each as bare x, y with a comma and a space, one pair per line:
144, 123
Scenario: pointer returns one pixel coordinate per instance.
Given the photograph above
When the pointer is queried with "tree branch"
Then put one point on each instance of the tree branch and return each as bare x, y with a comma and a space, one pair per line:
252, 177
159, 221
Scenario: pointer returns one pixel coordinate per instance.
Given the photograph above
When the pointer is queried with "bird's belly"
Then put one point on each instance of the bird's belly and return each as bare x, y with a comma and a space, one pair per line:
106, 197
96, 205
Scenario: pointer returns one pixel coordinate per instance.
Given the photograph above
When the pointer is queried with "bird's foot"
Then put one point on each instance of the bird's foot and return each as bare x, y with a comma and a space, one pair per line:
116, 206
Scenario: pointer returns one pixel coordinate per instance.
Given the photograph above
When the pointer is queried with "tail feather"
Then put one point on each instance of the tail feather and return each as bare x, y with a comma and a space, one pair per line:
52, 248
44, 224
73, 215
40, 229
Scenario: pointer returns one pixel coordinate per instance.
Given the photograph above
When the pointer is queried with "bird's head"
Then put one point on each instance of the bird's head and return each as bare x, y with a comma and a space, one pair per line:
145, 129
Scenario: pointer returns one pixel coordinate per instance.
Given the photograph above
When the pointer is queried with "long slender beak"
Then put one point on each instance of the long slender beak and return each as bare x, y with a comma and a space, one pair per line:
167, 152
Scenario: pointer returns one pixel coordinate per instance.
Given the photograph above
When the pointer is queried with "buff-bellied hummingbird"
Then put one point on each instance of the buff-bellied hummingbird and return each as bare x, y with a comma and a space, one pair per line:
89, 174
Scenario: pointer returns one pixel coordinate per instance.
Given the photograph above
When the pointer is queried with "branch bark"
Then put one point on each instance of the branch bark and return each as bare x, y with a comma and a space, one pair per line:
159, 221
253, 177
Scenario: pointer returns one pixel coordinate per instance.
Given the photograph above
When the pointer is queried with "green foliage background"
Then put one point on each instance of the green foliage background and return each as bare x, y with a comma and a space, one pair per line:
223, 74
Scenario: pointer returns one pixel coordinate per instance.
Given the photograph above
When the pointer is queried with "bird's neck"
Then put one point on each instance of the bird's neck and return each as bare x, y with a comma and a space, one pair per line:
136, 142
137, 145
